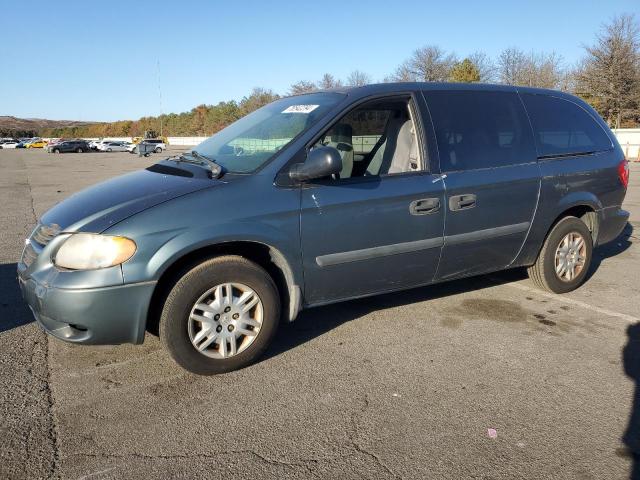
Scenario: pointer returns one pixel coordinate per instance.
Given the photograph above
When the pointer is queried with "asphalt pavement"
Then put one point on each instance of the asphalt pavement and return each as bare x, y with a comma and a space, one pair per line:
485, 377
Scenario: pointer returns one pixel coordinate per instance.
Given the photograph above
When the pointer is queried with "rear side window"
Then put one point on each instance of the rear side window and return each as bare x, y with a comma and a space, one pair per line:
563, 128
480, 129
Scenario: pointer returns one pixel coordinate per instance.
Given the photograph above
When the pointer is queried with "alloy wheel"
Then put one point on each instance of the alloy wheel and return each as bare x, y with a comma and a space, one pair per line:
225, 320
570, 256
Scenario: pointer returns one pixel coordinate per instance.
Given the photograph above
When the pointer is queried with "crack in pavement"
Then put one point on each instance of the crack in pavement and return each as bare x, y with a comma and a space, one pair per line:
52, 432
53, 425
358, 447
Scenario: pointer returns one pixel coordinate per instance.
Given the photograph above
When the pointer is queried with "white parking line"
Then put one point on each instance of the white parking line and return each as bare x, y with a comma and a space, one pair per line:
560, 298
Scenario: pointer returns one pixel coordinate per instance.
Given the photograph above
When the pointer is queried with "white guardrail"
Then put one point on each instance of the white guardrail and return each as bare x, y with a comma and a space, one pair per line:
629, 139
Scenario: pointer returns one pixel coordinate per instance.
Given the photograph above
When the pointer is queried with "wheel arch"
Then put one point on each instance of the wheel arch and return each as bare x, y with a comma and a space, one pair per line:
266, 256
585, 207
587, 211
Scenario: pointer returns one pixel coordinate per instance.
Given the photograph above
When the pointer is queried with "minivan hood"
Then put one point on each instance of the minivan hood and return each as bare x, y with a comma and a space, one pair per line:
98, 207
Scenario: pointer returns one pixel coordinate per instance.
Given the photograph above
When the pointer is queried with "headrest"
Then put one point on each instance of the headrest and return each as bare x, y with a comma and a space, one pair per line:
342, 133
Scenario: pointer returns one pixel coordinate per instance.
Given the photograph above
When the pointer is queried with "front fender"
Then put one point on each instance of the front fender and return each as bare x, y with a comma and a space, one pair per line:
195, 239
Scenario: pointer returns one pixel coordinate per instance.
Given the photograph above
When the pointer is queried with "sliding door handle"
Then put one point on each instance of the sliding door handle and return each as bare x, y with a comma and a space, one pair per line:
424, 206
462, 202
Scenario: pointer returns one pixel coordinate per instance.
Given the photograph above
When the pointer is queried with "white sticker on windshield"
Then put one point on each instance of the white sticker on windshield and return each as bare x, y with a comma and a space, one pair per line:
300, 109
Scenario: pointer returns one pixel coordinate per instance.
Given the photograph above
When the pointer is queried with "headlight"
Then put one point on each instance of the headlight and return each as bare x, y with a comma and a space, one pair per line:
88, 251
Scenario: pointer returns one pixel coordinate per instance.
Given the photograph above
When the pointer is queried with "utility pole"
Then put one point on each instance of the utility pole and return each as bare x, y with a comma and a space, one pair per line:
160, 97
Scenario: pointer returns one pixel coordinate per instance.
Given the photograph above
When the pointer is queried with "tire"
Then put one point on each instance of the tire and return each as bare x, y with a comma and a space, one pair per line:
108, 150
158, 150
79, 150
56, 150
543, 272
196, 287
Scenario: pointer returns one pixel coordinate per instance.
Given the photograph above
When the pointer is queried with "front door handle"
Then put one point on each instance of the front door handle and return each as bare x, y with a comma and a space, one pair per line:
424, 206
462, 202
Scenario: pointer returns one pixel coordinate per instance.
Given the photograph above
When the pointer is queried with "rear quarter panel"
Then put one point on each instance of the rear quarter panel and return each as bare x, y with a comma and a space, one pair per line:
589, 180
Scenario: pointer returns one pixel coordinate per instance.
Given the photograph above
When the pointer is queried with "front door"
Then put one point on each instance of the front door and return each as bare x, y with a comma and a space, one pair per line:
378, 225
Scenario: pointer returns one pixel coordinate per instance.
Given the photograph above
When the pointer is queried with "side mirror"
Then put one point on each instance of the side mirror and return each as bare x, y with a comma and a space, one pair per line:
321, 162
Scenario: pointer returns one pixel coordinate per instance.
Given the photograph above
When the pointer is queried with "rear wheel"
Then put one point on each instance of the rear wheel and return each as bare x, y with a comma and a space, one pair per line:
565, 257
56, 150
220, 316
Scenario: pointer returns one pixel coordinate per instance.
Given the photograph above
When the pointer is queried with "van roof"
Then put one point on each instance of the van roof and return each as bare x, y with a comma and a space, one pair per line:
391, 87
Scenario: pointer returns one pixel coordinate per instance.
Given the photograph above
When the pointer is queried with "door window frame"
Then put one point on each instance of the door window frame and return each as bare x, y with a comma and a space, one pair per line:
416, 115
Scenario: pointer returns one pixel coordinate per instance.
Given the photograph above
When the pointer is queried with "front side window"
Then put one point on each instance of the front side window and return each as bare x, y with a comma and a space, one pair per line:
563, 128
376, 138
250, 142
480, 129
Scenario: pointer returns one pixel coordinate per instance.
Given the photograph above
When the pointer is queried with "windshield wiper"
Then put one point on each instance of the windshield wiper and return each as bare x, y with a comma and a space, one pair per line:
216, 170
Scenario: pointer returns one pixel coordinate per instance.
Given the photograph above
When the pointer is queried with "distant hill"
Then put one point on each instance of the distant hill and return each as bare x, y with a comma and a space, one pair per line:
9, 123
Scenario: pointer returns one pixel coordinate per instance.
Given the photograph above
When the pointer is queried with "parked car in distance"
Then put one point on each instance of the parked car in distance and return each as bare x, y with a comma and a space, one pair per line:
38, 143
95, 144
213, 248
78, 146
23, 142
158, 145
9, 144
113, 146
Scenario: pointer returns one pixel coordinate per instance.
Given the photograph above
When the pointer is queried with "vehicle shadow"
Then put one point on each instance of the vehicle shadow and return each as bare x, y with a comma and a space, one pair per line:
315, 322
631, 361
14, 312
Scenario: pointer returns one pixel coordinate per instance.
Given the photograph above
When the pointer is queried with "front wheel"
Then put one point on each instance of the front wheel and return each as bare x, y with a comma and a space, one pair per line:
56, 150
79, 150
158, 150
563, 262
220, 316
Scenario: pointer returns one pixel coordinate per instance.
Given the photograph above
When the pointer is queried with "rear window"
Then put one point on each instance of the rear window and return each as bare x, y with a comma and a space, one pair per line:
563, 128
480, 129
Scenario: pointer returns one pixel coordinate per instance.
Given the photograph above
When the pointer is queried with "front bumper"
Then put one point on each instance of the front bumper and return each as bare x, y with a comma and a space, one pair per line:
107, 316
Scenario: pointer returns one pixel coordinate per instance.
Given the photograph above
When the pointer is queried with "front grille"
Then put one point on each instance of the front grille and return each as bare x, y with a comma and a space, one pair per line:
40, 237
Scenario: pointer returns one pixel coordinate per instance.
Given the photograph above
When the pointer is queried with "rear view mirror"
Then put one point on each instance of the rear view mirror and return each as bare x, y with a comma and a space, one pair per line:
320, 162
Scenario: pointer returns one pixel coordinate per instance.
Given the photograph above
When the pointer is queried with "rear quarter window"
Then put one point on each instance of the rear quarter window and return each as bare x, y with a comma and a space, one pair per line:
480, 129
563, 128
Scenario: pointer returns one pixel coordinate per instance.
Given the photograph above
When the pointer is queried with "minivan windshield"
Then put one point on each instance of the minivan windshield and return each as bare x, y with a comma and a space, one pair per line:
250, 142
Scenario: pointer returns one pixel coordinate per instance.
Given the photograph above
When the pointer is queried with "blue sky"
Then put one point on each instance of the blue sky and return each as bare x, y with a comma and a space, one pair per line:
86, 60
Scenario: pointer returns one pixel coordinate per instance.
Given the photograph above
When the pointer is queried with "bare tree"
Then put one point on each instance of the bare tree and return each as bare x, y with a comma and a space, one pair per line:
303, 86
609, 75
358, 78
402, 74
329, 81
427, 64
511, 66
544, 70
432, 64
484, 64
